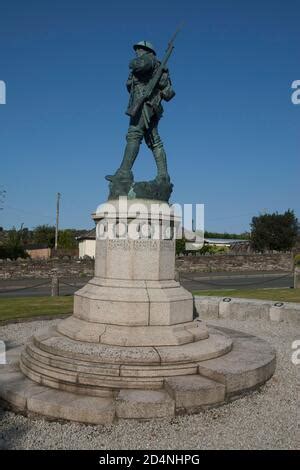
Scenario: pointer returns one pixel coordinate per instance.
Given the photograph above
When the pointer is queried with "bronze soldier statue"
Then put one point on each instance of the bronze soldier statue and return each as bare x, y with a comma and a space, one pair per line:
149, 84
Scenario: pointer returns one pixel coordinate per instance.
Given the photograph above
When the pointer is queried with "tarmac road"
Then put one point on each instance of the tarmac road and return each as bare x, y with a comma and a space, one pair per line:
254, 280
191, 281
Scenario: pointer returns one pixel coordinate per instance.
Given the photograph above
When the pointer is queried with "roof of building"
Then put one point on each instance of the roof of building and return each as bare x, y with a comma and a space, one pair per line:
36, 246
91, 235
224, 241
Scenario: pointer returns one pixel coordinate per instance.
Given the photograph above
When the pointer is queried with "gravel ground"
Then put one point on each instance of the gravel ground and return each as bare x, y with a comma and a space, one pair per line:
266, 419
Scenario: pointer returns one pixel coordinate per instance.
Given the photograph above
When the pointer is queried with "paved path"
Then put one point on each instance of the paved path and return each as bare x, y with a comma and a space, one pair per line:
265, 419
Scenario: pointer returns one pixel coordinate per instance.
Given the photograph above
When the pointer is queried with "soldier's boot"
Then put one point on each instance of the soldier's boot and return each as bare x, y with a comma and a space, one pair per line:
134, 138
161, 161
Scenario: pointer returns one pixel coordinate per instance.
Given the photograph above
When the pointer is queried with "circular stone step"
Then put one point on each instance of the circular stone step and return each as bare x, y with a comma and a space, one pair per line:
54, 343
247, 365
118, 335
56, 361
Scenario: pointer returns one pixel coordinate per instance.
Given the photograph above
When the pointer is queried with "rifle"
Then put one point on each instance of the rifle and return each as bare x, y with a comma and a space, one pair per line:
133, 110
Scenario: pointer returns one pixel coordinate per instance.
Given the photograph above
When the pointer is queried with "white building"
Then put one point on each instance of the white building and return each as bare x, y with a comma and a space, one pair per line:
87, 244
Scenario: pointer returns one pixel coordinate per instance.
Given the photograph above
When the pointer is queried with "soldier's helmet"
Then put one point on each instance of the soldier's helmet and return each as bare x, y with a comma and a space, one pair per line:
144, 45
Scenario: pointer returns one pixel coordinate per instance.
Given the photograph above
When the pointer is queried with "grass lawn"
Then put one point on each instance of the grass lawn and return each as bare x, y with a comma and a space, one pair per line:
26, 307
281, 295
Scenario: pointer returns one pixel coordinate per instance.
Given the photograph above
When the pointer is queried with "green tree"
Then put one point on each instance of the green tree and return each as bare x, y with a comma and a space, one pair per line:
180, 245
66, 239
226, 236
13, 247
44, 235
26, 236
274, 231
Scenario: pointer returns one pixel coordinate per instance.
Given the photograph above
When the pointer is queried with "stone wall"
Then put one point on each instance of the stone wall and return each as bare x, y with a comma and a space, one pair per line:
85, 267
43, 269
236, 262
39, 253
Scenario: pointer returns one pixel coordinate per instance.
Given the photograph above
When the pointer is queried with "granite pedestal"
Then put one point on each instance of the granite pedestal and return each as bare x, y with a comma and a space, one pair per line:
132, 348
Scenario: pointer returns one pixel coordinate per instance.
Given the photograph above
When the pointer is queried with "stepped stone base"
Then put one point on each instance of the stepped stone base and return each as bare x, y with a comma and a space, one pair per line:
151, 387
132, 349
59, 362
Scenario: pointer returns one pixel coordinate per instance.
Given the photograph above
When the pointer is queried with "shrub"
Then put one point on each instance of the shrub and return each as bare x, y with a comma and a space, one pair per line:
213, 249
297, 260
13, 247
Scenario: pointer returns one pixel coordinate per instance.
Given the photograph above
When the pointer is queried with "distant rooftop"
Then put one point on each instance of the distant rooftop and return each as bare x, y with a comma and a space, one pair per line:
225, 240
91, 235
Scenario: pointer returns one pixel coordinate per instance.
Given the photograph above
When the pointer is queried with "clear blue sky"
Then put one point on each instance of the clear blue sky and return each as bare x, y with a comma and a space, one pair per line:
231, 133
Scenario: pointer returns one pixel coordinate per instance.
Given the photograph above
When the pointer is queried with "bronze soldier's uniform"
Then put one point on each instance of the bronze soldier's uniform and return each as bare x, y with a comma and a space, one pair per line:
144, 123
